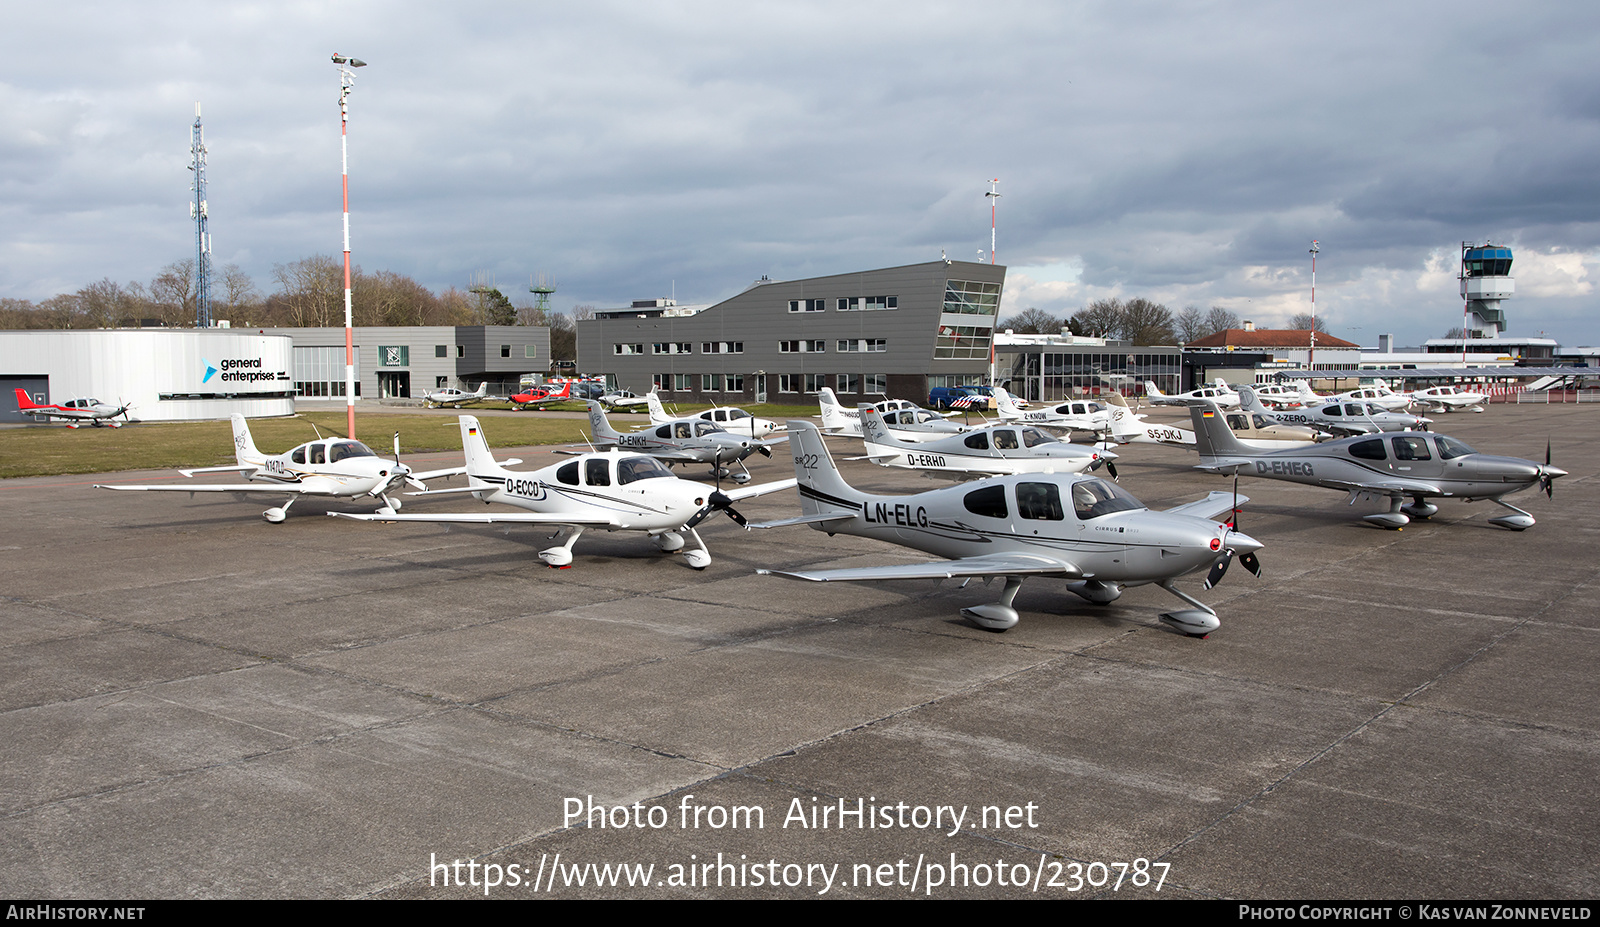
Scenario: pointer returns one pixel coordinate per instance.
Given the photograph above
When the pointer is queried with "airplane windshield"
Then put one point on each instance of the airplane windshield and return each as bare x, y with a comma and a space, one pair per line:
738, 414
1095, 497
1450, 448
701, 429
345, 449
630, 469
1033, 437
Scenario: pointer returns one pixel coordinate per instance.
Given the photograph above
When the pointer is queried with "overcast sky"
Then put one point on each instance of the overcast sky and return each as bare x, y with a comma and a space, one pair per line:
1185, 153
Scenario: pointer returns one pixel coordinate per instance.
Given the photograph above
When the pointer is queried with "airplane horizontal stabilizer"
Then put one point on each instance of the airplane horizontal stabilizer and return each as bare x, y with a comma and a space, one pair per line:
1015, 564
805, 520
760, 489
490, 518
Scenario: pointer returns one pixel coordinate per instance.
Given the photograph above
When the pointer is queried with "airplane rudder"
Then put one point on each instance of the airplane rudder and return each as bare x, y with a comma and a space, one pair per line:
244, 445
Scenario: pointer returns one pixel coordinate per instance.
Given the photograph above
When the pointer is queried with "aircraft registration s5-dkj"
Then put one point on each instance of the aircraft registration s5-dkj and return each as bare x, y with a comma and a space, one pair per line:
333, 467
1413, 464
1082, 529
77, 412
615, 490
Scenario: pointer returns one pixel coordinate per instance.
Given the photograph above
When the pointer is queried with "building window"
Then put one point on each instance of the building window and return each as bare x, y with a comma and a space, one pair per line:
967, 297
802, 347
735, 382
815, 382
505, 350
864, 345
672, 347
788, 383
683, 382
806, 305
627, 349
868, 303
877, 383
710, 382
661, 382
529, 350
441, 350
722, 347
461, 350
848, 383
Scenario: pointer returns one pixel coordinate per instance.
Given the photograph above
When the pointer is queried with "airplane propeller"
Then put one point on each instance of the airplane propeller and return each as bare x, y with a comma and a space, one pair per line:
1248, 560
1547, 481
717, 501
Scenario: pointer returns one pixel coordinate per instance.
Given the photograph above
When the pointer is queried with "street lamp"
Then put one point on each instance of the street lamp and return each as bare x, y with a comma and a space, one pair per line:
347, 81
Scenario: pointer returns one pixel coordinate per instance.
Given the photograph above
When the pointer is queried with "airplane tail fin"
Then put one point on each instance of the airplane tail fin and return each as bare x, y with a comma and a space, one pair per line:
833, 417
1213, 437
658, 412
479, 460
1249, 401
25, 402
1004, 405
1153, 391
244, 446
483, 389
600, 425
873, 428
1125, 426
822, 490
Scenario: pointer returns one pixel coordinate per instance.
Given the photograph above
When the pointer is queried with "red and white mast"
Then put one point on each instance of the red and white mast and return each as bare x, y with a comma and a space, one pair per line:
347, 80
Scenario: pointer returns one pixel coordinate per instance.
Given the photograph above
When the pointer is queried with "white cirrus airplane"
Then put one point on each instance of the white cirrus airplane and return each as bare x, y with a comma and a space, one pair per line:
1447, 399
1082, 529
453, 398
76, 412
683, 440
733, 418
1072, 415
1218, 393
981, 452
907, 420
330, 467
613, 491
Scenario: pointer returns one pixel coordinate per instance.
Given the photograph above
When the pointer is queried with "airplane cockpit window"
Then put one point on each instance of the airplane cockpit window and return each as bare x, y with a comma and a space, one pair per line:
1450, 448
1238, 422
1333, 410
1005, 440
1355, 408
1408, 447
597, 471
1093, 498
1040, 501
1258, 420
734, 414
298, 455
346, 449
319, 453
568, 474
682, 430
990, 501
630, 469
701, 429
978, 441
1368, 450
1033, 437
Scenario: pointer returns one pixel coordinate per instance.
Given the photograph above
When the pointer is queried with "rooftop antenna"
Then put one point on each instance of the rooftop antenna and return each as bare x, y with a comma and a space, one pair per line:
1311, 355
542, 288
202, 233
993, 199
347, 82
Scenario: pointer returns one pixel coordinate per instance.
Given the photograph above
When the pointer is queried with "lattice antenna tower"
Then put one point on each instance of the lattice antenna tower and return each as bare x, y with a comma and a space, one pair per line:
482, 283
202, 232
542, 288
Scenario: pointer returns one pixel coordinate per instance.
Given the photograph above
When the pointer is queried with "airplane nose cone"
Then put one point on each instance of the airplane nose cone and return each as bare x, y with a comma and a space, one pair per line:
1243, 543
1553, 472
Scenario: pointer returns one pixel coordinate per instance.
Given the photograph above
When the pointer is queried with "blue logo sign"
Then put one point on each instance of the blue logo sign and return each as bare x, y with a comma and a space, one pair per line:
210, 371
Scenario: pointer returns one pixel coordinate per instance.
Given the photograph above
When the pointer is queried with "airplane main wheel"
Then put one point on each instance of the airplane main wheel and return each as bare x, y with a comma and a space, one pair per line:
275, 515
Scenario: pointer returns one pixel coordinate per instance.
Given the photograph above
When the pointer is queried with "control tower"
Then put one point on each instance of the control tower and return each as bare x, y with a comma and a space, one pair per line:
1485, 281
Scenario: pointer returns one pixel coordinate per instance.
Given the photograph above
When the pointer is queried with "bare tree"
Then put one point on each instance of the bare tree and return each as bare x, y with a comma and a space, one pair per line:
1100, 319
172, 294
1146, 322
311, 291
1220, 320
1032, 321
1304, 321
241, 301
1457, 332
1190, 324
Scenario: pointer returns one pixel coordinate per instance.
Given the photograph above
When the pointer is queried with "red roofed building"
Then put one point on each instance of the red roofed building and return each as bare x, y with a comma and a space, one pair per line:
1291, 346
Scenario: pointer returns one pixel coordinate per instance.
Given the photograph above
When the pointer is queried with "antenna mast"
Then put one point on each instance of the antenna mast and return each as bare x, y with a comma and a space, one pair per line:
202, 233
994, 198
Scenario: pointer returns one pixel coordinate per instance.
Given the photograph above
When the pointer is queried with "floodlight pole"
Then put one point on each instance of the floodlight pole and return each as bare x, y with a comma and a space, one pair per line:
993, 199
1311, 355
347, 80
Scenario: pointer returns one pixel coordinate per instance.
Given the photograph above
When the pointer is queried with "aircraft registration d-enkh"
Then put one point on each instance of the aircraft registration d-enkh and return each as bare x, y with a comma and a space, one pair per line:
1082, 529
614, 490
1411, 464
333, 467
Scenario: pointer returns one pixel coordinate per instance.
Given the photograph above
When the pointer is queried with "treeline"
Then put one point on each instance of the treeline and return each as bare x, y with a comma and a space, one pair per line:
1140, 321
307, 294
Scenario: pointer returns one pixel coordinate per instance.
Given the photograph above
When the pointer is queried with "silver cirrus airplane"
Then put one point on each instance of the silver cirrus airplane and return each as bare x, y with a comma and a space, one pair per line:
1392, 465
1082, 529
331, 467
614, 490
683, 440
981, 452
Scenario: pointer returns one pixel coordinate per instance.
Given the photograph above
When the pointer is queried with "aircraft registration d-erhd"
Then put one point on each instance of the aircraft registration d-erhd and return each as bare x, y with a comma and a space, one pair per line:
614, 490
1073, 415
1082, 529
334, 467
1414, 464
909, 421
77, 412
454, 398
981, 452
733, 418
684, 440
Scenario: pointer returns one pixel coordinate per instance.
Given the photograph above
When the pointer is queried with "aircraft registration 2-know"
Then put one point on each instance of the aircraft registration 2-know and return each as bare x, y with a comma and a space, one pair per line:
1082, 529
333, 467
1417, 465
614, 490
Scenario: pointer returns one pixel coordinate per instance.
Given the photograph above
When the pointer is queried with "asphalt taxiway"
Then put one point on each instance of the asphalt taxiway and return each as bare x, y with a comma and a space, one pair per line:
196, 703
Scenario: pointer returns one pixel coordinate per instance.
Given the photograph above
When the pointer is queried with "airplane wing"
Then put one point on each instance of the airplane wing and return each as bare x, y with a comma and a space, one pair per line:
760, 489
490, 518
450, 471
1012, 564
1387, 486
1216, 504
284, 489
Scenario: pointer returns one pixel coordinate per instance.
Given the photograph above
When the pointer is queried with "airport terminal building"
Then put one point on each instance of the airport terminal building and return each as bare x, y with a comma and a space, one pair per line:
890, 333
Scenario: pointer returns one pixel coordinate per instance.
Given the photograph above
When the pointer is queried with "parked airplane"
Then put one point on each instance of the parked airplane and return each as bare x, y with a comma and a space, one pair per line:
909, 421
1396, 466
621, 399
1219, 394
1381, 396
1251, 428
683, 440
733, 418
1338, 418
1079, 528
1073, 415
77, 412
334, 467
1283, 396
982, 452
1447, 399
454, 398
540, 396
614, 490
